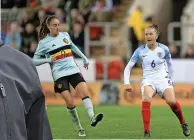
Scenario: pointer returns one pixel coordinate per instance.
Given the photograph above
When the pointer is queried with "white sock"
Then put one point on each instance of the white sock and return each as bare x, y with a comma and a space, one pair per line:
75, 118
87, 103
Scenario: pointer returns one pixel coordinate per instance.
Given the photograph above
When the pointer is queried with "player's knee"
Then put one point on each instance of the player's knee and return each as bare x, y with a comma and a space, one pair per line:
83, 92
70, 104
171, 102
146, 98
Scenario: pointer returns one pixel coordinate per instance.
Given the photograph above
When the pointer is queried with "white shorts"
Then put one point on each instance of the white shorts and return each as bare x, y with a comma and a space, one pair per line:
159, 86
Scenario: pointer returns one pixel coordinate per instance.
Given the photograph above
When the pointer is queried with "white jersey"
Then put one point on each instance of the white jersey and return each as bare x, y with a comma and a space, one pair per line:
154, 63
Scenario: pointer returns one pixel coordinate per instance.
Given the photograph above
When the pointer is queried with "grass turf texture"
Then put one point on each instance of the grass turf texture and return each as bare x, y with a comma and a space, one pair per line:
120, 122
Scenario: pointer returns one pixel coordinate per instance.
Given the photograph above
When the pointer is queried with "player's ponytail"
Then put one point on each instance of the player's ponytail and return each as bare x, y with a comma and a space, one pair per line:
44, 30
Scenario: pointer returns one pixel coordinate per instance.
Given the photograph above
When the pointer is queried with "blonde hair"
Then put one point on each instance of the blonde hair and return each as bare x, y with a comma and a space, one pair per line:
154, 26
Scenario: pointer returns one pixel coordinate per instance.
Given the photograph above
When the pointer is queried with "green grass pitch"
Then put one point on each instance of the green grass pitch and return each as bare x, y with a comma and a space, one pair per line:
120, 122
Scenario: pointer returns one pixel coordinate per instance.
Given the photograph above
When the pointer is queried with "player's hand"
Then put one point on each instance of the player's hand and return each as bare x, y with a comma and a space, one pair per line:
86, 66
53, 59
128, 88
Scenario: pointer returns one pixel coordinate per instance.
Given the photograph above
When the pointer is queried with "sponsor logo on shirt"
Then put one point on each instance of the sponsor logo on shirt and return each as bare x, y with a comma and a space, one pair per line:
144, 55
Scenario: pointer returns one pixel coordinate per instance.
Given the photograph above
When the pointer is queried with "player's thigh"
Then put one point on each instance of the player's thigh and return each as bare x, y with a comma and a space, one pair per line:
82, 89
147, 93
166, 91
169, 96
62, 86
147, 90
79, 84
68, 98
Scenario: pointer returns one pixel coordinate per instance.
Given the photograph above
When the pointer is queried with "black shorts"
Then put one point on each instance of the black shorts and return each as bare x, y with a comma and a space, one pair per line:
62, 83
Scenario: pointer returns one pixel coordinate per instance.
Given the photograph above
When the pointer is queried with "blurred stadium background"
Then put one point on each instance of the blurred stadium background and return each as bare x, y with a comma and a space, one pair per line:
107, 32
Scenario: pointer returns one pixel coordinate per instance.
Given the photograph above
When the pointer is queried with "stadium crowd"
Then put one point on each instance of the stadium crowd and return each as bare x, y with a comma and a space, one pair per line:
74, 15
137, 24
22, 34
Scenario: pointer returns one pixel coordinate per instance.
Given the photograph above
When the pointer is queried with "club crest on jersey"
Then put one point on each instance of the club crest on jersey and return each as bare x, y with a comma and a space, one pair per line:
65, 40
159, 54
59, 86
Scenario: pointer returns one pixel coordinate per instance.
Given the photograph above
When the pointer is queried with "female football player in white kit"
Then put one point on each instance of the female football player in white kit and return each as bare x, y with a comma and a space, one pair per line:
156, 77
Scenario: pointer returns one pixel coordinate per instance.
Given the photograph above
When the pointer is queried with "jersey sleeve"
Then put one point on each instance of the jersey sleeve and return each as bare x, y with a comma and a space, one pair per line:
127, 72
40, 55
76, 50
168, 61
131, 63
135, 56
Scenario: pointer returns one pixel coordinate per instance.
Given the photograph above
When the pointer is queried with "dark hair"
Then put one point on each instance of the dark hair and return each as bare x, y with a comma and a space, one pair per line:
154, 26
43, 26
77, 22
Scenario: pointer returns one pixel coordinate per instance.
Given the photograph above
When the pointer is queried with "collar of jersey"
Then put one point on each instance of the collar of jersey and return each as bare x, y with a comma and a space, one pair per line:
154, 49
52, 36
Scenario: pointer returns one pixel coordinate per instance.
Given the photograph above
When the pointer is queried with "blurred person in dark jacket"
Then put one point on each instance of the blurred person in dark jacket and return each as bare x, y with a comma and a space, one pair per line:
22, 102
78, 35
174, 50
29, 35
189, 52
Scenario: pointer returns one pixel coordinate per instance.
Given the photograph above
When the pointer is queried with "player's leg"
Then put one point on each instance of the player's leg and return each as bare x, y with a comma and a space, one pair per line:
170, 99
62, 87
87, 103
71, 108
78, 82
147, 94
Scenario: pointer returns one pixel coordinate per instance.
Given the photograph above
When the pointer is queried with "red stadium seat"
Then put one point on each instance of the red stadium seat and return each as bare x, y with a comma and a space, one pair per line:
114, 74
99, 70
117, 64
115, 69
